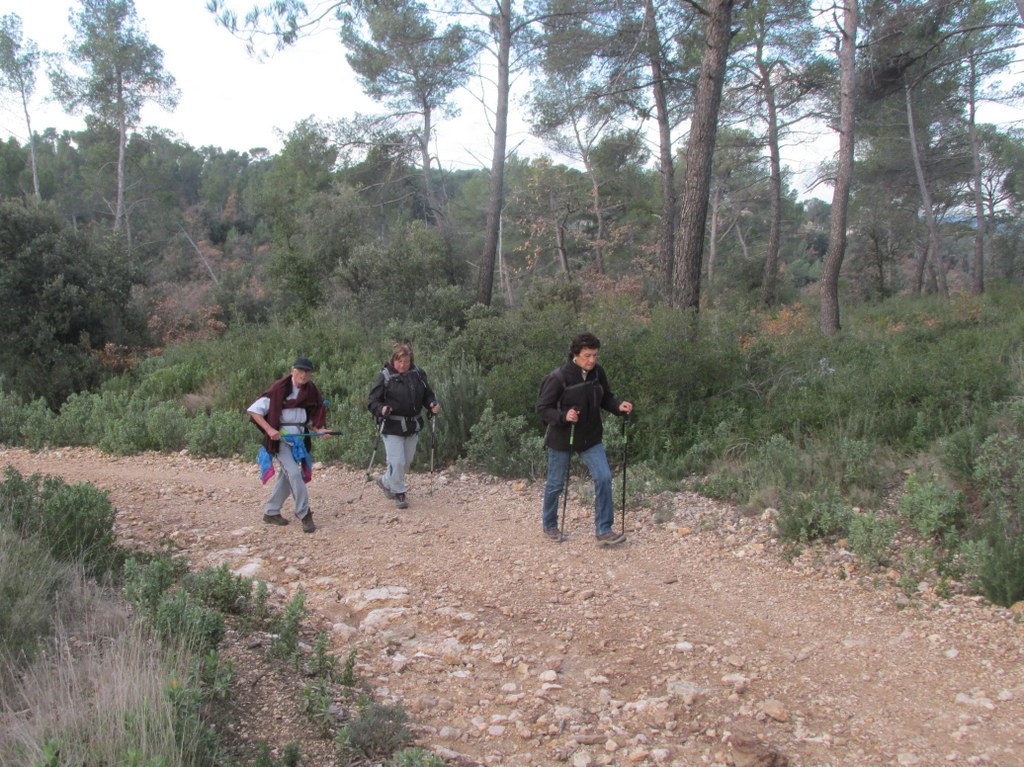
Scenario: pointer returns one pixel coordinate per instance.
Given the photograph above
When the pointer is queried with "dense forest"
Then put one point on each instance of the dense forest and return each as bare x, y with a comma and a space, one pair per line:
791, 353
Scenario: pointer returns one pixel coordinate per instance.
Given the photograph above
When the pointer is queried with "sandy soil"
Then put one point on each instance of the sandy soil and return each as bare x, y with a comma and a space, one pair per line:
697, 642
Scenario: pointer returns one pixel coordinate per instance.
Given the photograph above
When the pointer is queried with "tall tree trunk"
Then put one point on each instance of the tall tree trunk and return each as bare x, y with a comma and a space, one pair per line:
714, 206
31, 147
595, 196
700, 147
932, 225
919, 268
978, 281
829, 320
666, 169
770, 279
496, 197
122, 143
434, 211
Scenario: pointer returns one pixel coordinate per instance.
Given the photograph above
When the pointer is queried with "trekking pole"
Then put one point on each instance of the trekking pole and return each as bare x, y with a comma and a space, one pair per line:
433, 440
376, 444
565, 484
625, 454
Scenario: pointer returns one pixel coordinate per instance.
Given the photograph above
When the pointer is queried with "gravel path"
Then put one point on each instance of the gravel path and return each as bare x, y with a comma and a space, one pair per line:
697, 642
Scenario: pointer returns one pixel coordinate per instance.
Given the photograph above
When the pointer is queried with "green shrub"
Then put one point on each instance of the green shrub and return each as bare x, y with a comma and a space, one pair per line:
287, 626
29, 581
74, 522
501, 445
806, 517
415, 757
171, 382
376, 732
145, 583
221, 434
84, 417
931, 508
166, 426
37, 424
10, 418
871, 537
220, 589
179, 616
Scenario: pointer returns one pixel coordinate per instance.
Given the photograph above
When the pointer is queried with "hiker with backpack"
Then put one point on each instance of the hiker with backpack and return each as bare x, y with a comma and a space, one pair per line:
570, 403
397, 400
291, 408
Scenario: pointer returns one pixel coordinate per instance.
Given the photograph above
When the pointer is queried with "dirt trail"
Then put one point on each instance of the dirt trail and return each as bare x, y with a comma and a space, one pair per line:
694, 643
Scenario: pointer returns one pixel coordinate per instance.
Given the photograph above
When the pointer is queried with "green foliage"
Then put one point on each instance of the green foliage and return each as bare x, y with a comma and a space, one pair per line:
220, 434
376, 732
501, 445
871, 537
322, 662
220, 589
316, 705
415, 757
179, 616
74, 522
931, 508
66, 296
30, 580
287, 626
347, 677
145, 583
810, 516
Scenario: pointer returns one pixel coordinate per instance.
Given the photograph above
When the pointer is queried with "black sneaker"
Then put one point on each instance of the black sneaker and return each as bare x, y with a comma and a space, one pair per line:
274, 519
554, 534
382, 486
307, 523
400, 501
610, 538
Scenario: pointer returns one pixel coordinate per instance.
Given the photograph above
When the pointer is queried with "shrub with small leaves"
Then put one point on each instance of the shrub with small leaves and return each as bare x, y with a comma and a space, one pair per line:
287, 626
220, 589
178, 617
416, 757
810, 516
930, 506
378, 731
221, 434
871, 537
503, 445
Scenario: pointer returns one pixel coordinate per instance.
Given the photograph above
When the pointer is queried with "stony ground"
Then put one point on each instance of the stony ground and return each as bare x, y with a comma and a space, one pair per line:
697, 642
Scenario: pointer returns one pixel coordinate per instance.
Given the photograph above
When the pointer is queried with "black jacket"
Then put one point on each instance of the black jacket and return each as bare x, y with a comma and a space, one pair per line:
406, 394
566, 388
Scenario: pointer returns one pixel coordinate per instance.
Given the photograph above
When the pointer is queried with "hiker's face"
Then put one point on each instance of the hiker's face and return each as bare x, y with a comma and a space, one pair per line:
300, 376
586, 359
401, 364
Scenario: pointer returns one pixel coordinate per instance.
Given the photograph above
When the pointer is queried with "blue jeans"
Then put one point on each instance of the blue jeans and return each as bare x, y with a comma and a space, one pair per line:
600, 472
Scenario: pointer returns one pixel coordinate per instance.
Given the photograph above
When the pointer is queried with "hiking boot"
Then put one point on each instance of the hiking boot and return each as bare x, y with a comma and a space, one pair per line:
274, 519
554, 534
610, 538
382, 486
400, 501
307, 523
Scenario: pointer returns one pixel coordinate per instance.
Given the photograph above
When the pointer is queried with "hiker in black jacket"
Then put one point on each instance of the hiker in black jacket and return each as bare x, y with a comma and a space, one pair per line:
396, 400
570, 403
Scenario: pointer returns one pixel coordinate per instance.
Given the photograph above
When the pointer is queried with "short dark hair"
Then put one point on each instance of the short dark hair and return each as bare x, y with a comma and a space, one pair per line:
583, 341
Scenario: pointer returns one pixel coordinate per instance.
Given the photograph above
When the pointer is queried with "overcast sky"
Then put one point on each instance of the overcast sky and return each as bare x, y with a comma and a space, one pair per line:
230, 99
234, 101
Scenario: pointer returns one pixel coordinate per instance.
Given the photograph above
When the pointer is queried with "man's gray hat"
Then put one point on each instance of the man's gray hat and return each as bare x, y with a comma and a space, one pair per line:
303, 363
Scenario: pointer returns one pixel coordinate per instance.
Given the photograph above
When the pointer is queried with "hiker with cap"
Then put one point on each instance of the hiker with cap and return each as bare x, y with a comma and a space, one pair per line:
570, 403
396, 400
292, 406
